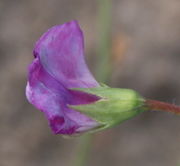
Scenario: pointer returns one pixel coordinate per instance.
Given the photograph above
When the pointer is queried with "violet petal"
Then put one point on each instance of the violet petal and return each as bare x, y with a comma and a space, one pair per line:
61, 51
59, 65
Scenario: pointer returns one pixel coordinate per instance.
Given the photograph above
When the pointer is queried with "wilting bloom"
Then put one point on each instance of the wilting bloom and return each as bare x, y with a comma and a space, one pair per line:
61, 86
57, 67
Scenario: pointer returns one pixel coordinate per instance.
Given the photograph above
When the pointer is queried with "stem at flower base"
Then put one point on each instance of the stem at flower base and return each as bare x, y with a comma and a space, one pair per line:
162, 106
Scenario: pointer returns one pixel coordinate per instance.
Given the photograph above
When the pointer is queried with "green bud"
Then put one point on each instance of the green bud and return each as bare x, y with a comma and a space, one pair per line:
115, 106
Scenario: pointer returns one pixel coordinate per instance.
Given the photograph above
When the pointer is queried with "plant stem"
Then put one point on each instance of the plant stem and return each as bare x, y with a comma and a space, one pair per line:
162, 106
103, 51
84, 149
103, 70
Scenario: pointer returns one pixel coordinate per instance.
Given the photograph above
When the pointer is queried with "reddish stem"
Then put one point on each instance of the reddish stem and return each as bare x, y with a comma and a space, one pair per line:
162, 106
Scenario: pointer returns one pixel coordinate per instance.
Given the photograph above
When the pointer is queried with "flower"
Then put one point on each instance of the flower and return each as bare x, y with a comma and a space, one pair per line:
59, 66
61, 86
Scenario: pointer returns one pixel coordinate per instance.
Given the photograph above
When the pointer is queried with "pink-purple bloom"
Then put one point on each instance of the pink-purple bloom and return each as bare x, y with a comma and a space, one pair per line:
59, 66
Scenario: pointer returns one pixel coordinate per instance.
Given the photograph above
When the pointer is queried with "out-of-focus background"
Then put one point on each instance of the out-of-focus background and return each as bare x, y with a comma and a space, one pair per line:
145, 38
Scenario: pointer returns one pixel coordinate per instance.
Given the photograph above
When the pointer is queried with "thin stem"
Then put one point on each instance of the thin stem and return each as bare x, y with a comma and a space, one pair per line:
162, 106
84, 149
103, 50
103, 70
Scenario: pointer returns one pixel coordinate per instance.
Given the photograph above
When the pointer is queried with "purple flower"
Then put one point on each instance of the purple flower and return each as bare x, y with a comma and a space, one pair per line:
58, 66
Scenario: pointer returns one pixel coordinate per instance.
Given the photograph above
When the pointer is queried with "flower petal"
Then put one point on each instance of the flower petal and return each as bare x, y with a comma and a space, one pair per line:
60, 51
52, 98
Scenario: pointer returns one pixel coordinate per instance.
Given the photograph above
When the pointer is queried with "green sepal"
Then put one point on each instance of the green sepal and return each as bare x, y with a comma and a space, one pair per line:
115, 105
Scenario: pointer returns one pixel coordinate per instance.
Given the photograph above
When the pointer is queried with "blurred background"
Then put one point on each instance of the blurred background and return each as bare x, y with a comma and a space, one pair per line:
145, 56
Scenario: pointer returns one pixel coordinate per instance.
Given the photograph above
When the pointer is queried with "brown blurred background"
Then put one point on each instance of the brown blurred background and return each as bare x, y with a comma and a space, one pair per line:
146, 57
